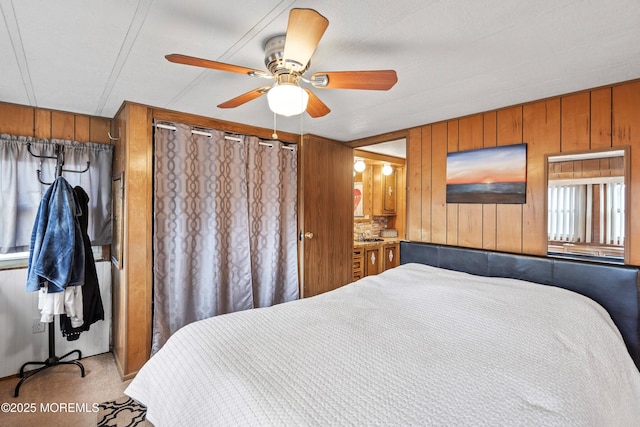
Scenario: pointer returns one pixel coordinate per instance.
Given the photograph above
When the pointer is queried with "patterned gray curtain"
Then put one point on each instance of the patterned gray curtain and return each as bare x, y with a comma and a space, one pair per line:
272, 183
224, 227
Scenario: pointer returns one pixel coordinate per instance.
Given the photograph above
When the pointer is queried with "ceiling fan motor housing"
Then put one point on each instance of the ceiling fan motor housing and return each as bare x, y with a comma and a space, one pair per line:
274, 58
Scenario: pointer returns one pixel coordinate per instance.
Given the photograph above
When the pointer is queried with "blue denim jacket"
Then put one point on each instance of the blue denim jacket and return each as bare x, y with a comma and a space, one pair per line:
56, 252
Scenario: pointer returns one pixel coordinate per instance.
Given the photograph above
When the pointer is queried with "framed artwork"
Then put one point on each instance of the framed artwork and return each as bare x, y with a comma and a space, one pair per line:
357, 200
488, 175
117, 210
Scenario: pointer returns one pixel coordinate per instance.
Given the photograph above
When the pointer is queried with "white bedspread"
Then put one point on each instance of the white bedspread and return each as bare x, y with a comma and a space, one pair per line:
415, 345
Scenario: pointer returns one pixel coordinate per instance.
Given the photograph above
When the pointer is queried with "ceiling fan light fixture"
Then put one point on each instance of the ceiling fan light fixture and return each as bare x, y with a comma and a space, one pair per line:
287, 99
287, 57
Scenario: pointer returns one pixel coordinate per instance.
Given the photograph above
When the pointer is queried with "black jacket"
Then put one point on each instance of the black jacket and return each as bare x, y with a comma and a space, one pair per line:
91, 299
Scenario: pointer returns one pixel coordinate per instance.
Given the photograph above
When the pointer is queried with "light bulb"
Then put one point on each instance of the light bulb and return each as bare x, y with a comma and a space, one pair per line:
287, 99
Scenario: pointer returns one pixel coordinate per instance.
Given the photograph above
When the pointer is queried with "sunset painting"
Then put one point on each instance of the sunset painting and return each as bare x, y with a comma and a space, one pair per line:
488, 175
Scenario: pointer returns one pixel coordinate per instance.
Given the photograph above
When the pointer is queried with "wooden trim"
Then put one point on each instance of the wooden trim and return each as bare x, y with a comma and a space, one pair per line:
377, 139
379, 157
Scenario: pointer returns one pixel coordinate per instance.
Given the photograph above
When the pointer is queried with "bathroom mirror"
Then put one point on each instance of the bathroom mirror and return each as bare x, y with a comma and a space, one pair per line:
587, 196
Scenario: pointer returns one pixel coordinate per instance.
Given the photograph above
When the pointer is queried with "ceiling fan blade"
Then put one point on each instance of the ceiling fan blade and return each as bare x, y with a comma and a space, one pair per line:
304, 31
315, 107
367, 80
245, 97
206, 63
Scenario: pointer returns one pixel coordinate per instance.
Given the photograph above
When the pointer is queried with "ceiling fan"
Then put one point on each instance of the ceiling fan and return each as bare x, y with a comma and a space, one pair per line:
287, 59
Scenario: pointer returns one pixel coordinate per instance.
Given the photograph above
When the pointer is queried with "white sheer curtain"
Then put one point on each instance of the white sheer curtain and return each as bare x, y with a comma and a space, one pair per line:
225, 226
22, 191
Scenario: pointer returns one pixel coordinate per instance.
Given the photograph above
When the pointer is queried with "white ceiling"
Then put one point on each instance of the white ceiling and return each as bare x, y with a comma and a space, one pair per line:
395, 148
453, 58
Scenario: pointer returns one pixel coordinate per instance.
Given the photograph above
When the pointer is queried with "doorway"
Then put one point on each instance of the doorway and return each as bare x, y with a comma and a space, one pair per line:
380, 189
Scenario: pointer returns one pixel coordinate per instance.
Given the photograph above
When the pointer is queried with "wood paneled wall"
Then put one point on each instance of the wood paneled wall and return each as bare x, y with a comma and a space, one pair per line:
42, 123
132, 278
601, 118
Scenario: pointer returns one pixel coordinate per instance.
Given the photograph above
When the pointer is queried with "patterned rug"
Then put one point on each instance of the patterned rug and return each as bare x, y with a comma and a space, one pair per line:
122, 412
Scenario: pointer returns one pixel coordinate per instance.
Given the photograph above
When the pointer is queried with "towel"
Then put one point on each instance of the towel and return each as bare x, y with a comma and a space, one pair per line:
56, 252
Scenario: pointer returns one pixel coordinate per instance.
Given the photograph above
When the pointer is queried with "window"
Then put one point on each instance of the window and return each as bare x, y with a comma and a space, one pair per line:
588, 210
21, 259
14, 260
566, 219
27, 165
586, 204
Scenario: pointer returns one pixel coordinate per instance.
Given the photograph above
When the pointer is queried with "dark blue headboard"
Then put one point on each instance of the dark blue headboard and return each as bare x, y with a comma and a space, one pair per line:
614, 287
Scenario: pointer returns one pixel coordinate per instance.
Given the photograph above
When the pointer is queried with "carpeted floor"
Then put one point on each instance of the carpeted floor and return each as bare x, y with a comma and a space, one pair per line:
60, 397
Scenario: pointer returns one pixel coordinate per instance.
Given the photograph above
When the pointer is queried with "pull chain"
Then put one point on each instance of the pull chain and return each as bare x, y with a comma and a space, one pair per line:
275, 134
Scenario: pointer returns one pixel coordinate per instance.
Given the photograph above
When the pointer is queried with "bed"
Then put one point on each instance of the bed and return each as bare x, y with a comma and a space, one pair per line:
452, 336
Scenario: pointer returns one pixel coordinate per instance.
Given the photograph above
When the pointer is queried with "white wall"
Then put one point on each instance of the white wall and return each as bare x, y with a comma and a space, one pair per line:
18, 309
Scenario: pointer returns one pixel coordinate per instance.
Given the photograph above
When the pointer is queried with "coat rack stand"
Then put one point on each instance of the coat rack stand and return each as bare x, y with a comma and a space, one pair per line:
52, 360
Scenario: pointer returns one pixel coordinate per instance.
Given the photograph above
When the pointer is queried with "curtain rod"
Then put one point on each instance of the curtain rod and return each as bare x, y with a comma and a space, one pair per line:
228, 137
193, 131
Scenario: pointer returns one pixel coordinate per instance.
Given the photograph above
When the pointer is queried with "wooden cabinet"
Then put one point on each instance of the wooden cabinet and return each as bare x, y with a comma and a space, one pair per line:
375, 258
390, 189
385, 190
358, 264
372, 260
391, 255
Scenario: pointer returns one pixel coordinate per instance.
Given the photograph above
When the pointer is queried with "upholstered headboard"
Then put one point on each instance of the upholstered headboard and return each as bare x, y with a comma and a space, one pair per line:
614, 287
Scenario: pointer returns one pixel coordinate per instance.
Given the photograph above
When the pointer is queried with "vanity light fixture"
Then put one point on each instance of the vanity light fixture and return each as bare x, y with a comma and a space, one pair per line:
387, 169
359, 165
